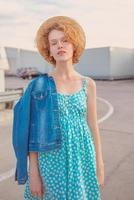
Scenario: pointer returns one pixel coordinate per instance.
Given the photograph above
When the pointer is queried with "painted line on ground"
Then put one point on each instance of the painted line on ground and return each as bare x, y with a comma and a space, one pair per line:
7, 174
110, 110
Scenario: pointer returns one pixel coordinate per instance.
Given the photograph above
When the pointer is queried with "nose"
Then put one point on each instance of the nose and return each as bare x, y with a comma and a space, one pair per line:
60, 44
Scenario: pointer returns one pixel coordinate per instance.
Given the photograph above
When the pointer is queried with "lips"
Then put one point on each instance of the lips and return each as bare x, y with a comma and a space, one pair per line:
61, 52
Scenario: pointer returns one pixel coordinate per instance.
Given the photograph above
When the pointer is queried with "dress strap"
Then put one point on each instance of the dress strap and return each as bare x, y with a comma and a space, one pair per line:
84, 83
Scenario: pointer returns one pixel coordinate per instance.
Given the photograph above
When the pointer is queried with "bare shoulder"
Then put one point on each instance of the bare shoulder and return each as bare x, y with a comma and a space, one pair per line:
91, 84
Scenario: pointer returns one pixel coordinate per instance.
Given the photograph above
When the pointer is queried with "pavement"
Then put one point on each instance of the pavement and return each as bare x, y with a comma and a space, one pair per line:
117, 138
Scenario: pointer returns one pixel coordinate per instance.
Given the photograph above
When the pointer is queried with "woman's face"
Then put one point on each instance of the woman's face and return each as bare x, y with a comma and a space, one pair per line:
60, 48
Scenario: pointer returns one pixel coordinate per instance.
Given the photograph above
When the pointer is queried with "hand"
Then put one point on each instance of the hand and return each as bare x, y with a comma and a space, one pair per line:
100, 173
36, 186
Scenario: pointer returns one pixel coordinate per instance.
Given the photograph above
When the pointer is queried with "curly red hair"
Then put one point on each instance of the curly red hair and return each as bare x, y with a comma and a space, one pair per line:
73, 31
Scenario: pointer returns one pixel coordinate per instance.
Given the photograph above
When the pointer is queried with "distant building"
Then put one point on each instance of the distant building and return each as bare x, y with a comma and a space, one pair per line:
107, 63
3, 66
21, 58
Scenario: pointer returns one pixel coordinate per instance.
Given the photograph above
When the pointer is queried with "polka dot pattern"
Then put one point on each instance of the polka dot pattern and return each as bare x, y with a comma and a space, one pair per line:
69, 173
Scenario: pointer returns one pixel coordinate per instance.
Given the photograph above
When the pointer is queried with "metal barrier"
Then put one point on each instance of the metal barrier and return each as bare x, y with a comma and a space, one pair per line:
9, 97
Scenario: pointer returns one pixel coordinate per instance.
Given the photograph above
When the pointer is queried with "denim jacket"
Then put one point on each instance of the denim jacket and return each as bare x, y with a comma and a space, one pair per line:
36, 124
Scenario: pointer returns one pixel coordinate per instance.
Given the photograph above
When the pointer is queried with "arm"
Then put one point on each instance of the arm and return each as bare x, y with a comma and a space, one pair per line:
33, 163
36, 184
92, 120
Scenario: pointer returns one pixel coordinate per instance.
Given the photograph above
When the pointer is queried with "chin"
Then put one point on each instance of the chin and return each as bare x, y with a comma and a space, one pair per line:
62, 59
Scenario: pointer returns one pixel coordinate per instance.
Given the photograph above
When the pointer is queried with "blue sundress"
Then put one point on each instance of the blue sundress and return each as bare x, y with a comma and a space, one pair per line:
69, 173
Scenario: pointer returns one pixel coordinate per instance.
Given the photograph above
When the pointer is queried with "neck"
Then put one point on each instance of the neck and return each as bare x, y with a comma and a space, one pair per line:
64, 70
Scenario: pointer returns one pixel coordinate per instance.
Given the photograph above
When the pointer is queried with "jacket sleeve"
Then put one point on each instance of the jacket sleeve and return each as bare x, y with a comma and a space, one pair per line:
20, 133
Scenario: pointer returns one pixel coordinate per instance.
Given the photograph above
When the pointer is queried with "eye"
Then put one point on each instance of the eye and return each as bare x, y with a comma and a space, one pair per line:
53, 43
65, 40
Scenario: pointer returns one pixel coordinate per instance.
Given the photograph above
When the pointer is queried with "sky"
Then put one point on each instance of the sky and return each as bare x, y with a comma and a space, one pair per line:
105, 22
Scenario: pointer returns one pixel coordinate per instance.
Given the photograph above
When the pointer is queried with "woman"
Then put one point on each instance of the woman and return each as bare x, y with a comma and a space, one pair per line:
76, 170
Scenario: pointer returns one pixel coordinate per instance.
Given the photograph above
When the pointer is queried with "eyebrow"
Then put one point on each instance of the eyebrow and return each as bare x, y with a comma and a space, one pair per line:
56, 39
